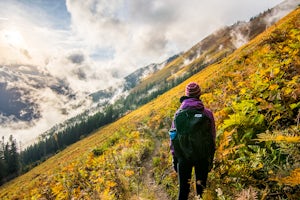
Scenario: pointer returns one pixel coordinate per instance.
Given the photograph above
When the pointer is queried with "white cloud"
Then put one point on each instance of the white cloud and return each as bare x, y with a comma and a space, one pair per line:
50, 105
140, 32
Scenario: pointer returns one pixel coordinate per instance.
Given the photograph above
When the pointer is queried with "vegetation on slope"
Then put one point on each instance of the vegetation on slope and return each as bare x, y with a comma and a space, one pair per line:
254, 94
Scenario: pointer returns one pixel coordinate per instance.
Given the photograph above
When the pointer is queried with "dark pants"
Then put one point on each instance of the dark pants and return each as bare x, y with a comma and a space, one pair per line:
184, 177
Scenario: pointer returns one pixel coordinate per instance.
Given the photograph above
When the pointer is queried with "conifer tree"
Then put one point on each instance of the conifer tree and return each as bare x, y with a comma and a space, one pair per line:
2, 162
11, 157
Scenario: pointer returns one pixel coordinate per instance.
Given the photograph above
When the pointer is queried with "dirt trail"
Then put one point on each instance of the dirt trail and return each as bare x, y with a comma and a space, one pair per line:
149, 188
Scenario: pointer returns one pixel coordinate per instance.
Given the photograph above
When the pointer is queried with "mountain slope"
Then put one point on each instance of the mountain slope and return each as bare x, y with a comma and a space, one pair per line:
254, 94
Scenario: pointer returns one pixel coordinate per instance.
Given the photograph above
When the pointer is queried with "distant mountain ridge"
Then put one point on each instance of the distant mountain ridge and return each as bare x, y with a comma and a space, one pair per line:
130, 81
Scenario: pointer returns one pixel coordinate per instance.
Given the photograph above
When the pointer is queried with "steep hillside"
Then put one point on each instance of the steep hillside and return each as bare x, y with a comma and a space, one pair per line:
255, 95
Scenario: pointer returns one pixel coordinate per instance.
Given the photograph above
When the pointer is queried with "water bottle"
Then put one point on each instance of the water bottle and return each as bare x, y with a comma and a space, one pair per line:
172, 133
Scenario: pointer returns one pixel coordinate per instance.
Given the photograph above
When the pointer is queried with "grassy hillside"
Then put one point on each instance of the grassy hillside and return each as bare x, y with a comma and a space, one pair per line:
254, 94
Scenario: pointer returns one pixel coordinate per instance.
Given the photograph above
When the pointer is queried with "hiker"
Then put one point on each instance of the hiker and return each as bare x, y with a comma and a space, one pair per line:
202, 158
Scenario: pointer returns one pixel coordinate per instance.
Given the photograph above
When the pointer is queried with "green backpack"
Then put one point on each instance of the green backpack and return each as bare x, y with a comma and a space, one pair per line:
193, 140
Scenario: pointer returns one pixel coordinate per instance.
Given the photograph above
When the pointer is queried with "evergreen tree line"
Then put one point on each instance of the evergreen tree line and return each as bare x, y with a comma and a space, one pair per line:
14, 163
9, 160
52, 143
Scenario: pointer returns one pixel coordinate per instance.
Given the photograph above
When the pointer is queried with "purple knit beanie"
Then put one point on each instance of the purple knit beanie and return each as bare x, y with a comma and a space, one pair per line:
192, 90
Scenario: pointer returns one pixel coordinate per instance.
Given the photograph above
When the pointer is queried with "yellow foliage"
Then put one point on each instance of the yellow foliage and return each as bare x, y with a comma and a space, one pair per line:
263, 137
223, 149
129, 173
293, 179
110, 184
273, 87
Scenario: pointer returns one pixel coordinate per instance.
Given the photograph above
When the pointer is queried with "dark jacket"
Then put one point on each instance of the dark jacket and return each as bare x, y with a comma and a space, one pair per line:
193, 103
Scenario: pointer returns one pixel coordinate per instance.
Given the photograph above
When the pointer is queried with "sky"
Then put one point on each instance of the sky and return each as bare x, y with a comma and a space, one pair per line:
92, 44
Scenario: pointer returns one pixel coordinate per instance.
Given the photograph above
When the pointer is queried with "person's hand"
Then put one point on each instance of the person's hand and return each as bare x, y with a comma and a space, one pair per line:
175, 162
175, 167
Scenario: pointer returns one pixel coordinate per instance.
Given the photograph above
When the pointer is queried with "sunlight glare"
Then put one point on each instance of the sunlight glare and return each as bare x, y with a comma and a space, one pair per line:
13, 37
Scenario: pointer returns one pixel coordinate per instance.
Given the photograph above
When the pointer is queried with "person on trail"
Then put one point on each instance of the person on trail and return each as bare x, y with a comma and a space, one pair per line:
192, 151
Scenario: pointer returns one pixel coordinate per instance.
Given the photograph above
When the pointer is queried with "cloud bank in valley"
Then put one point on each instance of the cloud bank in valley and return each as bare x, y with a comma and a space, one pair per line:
92, 44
